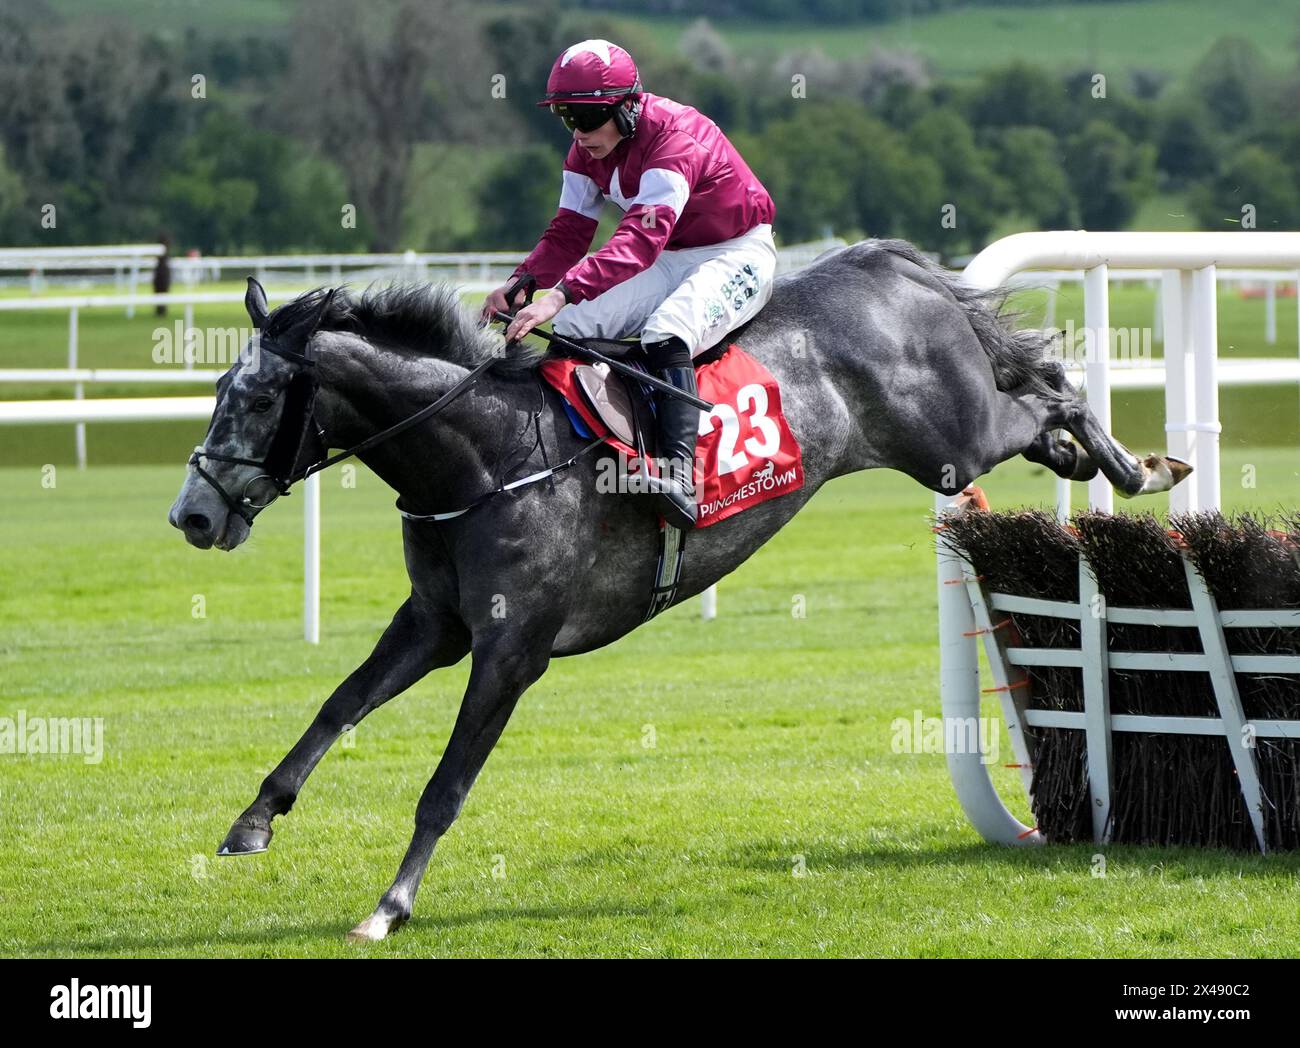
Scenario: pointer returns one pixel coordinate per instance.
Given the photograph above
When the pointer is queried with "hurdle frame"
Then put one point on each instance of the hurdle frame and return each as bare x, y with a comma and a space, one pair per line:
1188, 264
1093, 613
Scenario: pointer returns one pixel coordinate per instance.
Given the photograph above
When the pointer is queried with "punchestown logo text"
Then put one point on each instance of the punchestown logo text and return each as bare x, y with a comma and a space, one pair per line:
765, 479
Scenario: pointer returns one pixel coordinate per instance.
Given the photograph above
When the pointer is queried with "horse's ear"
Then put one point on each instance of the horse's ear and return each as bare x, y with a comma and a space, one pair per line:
255, 303
306, 324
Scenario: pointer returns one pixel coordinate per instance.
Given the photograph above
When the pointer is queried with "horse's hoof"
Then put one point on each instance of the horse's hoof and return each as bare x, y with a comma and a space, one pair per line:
245, 840
1160, 473
1178, 468
375, 927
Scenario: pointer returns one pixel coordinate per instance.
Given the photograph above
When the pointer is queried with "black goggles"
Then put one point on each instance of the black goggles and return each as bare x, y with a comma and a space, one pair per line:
584, 118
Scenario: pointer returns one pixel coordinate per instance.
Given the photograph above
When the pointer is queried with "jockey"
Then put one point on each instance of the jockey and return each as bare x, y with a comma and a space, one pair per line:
691, 259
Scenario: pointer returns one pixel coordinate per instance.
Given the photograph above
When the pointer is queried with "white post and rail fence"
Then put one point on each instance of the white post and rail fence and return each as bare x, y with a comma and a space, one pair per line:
1187, 261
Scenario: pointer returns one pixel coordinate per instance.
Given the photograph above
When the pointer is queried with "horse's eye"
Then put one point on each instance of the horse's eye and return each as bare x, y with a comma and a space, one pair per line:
262, 402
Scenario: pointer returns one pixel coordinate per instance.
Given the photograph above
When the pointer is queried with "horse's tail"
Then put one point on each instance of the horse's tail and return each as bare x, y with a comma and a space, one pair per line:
1024, 359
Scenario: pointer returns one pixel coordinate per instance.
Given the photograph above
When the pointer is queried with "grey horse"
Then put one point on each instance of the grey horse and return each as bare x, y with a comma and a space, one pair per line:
883, 359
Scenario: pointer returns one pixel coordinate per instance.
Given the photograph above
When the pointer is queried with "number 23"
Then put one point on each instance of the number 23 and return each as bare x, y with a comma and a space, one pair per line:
764, 444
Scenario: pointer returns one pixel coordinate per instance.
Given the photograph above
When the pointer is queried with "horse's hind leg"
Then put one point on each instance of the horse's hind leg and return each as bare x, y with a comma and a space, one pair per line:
1018, 424
415, 642
1024, 424
502, 672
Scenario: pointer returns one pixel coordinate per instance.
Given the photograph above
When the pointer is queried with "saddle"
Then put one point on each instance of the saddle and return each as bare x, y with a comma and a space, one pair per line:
626, 408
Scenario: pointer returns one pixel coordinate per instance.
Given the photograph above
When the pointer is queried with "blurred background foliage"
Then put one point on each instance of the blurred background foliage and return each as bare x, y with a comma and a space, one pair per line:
863, 117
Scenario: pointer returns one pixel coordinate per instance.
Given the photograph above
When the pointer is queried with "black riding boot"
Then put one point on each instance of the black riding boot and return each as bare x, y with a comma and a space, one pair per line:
677, 425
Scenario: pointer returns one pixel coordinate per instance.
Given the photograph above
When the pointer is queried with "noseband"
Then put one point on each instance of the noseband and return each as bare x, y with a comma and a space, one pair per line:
298, 437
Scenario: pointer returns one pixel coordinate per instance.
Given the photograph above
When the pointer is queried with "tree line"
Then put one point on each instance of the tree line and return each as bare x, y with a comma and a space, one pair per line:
305, 140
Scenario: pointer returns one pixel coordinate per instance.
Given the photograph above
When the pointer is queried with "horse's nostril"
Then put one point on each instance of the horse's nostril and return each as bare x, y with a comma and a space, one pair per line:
197, 522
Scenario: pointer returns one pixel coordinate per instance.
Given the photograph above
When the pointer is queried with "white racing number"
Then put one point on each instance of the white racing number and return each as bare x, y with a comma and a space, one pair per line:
751, 400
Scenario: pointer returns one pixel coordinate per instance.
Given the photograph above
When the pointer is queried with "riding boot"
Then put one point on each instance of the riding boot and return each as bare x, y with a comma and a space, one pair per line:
677, 426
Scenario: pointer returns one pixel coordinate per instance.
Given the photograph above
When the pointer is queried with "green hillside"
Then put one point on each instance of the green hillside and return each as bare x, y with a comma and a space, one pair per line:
1164, 35
232, 17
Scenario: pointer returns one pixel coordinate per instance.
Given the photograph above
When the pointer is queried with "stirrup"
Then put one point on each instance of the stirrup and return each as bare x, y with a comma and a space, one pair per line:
675, 499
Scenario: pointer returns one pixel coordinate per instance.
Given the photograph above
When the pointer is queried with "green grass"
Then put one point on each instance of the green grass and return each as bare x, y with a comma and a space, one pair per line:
1164, 212
772, 742
1113, 38
173, 17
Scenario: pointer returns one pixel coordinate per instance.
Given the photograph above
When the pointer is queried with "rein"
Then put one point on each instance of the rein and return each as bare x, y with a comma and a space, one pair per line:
428, 411
533, 478
284, 474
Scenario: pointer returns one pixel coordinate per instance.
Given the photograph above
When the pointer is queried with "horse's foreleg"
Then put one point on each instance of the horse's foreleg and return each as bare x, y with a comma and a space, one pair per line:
1097, 449
500, 675
415, 642
1065, 458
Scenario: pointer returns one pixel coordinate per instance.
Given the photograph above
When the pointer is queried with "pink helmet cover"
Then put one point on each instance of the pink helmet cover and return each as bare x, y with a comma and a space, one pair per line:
593, 71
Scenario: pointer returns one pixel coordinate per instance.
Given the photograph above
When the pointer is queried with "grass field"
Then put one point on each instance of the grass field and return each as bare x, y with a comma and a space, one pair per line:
771, 816
1166, 35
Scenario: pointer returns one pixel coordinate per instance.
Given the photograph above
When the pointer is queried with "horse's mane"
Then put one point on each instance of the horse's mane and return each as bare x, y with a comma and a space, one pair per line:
419, 320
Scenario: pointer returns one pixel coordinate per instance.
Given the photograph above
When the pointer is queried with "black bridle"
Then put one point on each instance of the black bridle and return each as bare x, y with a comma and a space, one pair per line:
298, 448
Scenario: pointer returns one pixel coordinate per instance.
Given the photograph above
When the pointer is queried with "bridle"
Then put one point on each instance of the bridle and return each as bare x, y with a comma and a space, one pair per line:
297, 448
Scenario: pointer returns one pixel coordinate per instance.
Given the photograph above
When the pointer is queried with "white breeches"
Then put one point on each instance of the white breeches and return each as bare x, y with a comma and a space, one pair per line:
698, 294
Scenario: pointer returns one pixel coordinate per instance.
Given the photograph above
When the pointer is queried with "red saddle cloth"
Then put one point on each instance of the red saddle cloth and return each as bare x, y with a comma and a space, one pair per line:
746, 453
